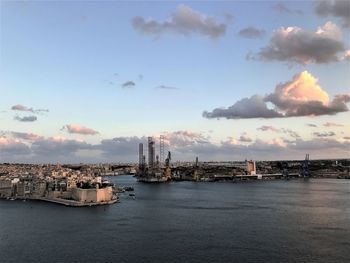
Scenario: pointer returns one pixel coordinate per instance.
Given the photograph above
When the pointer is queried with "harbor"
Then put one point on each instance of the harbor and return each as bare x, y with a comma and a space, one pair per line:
88, 184
159, 169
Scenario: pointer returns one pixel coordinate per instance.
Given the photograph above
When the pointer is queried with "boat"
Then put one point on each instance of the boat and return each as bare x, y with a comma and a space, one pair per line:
128, 188
152, 179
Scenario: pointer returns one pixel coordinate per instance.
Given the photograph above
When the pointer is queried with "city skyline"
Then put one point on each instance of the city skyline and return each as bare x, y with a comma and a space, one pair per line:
87, 82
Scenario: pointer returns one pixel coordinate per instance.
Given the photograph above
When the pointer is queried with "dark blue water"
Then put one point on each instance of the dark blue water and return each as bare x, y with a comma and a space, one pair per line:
275, 221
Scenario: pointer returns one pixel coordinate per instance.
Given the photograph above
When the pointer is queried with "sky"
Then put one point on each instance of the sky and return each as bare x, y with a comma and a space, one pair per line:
87, 81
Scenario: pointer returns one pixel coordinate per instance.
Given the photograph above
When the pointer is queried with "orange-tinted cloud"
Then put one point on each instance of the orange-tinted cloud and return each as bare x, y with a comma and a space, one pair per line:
302, 96
75, 128
21, 107
303, 88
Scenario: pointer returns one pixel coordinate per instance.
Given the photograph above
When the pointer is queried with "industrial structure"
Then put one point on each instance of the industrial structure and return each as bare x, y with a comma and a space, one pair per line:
151, 152
157, 170
304, 167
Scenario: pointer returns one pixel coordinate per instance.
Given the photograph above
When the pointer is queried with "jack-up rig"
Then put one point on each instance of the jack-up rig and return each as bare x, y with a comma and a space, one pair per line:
157, 170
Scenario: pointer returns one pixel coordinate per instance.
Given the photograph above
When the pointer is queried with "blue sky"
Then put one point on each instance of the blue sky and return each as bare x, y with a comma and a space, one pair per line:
72, 58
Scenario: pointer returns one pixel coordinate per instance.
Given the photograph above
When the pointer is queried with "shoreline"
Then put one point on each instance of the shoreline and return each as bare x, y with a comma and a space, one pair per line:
65, 202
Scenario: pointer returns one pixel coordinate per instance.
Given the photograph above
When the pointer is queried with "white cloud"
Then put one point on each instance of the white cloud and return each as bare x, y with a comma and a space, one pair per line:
296, 45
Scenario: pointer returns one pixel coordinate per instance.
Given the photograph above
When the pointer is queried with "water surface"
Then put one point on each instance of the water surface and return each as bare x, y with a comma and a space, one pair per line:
274, 221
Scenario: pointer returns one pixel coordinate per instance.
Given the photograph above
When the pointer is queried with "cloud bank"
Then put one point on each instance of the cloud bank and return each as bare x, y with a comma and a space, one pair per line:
184, 145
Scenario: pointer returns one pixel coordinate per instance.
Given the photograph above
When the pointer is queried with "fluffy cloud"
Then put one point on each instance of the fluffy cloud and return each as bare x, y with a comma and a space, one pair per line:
324, 134
296, 45
339, 8
332, 124
128, 84
302, 96
75, 128
251, 32
245, 138
253, 107
180, 139
25, 118
184, 21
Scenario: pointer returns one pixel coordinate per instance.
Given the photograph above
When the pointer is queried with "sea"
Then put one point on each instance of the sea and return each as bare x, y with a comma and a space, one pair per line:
257, 221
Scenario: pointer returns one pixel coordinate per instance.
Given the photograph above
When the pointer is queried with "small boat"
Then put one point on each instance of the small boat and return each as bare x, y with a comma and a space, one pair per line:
128, 188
